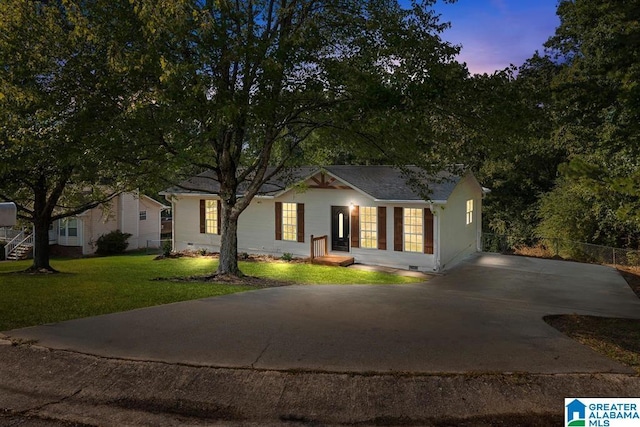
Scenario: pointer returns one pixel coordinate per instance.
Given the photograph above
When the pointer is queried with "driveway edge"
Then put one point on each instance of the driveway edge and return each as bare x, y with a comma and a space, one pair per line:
71, 387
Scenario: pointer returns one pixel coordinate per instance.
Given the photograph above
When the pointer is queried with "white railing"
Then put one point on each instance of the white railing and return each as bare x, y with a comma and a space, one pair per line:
319, 246
11, 245
8, 233
21, 240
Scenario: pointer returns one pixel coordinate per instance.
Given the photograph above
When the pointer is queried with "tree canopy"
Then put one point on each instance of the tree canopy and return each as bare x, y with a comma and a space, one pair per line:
248, 88
562, 158
596, 115
62, 86
95, 94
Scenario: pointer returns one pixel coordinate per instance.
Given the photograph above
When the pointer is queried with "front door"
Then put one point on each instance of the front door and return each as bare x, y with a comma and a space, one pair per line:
340, 228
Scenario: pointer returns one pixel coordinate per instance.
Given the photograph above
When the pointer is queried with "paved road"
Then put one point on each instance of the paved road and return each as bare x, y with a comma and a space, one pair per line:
483, 316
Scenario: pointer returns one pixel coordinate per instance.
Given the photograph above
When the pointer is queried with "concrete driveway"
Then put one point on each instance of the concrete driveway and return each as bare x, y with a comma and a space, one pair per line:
484, 315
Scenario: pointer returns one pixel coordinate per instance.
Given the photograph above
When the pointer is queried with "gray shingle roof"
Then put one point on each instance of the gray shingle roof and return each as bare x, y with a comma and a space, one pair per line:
207, 182
389, 183
379, 182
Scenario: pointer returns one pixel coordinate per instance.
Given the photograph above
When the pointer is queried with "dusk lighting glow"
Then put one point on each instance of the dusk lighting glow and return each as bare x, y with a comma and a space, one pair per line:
497, 33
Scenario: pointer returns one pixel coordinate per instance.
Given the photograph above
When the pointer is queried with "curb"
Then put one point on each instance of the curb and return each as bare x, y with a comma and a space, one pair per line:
75, 388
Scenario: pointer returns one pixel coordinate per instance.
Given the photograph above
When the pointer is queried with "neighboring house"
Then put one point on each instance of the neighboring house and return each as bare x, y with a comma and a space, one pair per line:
129, 212
368, 213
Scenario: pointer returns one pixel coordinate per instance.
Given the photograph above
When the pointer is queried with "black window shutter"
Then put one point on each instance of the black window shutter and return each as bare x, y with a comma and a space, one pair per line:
428, 231
278, 220
219, 207
382, 228
300, 217
203, 227
397, 229
355, 227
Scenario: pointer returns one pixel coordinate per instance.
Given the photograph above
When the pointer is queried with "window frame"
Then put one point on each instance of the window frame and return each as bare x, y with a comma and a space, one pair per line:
413, 230
470, 208
211, 215
64, 228
290, 221
368, 219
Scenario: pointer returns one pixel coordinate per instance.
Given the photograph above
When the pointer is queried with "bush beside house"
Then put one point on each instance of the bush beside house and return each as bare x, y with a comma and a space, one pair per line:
112, 243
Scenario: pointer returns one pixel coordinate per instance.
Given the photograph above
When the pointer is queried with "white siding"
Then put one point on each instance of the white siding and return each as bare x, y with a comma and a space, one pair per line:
453, 238
149, 229
256, 227
398, 259
459, 239
128, 217
121, 213
98, 221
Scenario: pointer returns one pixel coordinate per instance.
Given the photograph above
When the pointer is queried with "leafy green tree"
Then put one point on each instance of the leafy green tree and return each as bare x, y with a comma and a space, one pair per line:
597, 106
573, 212
249, 88
62, 84
508, 143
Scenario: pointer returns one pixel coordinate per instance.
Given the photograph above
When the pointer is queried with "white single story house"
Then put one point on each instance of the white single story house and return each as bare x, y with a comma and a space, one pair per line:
129, 212
369, 213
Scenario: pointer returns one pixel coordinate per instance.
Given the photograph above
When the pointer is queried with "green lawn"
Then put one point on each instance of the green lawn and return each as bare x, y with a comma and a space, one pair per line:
91, 286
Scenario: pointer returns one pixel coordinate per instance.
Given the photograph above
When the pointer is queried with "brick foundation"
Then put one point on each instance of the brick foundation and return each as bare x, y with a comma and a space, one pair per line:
65, 251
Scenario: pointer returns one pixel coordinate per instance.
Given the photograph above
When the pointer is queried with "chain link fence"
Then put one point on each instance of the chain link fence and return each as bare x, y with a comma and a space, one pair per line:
545, 247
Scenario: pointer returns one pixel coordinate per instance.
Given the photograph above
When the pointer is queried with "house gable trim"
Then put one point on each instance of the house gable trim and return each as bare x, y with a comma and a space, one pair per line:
154, 201
322, 184
409, 202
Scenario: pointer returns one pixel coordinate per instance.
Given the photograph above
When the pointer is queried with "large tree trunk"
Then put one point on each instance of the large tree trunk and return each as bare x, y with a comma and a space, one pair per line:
41, 220
228, 264
41, 246
232, 206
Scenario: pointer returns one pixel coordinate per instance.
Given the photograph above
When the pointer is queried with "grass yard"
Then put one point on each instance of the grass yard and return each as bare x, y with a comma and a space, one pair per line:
618, 339
92, 286
320, 274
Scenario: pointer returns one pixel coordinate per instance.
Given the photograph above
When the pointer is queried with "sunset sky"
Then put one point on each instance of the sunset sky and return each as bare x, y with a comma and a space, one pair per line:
496, 33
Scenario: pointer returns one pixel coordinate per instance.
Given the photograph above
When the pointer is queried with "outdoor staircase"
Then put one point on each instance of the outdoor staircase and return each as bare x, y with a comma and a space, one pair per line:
20, 252
20, 247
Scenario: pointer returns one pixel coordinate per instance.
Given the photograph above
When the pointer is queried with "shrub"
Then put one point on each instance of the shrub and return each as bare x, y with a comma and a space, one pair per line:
287, 256
112, 243
166, 248
2, 245
632, 258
